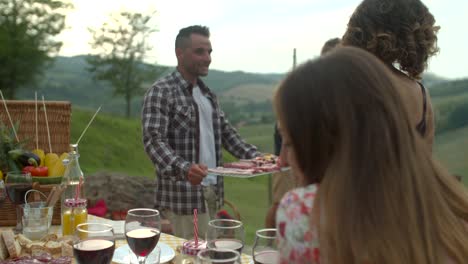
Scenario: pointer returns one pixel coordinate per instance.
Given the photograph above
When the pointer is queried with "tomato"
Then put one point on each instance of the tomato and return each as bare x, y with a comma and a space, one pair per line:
37, 171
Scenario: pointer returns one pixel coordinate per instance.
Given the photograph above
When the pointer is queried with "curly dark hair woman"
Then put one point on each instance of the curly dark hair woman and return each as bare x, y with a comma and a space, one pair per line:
396, 31
403, 34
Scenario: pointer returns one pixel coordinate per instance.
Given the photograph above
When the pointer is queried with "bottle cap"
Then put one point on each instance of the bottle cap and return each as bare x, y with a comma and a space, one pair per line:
73, 148
189, 248
72, 202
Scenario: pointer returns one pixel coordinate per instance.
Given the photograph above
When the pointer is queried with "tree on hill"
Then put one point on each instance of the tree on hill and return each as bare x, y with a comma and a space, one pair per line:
27, 28
121, 46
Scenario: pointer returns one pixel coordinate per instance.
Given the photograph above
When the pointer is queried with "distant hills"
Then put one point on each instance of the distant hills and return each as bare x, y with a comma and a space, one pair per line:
243, 95
68, 79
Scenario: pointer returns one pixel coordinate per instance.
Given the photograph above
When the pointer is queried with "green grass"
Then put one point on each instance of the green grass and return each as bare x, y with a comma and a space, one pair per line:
110, 144
451, 149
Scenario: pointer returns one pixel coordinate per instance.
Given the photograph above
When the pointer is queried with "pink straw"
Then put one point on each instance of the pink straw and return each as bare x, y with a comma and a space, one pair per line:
195, 226
78, 190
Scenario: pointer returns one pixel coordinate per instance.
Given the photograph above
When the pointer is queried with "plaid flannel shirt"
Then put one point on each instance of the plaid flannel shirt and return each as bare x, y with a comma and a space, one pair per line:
171, 140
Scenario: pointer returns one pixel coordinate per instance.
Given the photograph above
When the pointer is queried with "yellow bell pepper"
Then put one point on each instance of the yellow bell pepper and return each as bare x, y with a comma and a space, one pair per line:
50, 160
58, 169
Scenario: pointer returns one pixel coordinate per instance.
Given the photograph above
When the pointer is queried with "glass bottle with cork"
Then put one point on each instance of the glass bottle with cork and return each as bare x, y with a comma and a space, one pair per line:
74, 210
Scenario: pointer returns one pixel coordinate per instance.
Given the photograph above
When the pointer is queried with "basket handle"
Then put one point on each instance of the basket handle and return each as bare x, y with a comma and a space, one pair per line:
234, 209
32, 190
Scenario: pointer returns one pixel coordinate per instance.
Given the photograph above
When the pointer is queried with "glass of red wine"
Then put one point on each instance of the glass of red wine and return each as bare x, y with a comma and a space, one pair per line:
219, 256
93, 243
225, 234
264, 250
142, 230
17, 184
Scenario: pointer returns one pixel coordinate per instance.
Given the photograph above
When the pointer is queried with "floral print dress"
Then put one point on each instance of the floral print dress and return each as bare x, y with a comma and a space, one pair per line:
297, 241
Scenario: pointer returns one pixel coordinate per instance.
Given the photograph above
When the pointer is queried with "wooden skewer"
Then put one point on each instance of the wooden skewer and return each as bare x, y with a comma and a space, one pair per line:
90, 121
51, 194
47, 124
57, 193
9, 117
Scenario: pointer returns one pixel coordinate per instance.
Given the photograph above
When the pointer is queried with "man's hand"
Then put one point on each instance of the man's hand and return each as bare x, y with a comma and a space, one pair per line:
196, 173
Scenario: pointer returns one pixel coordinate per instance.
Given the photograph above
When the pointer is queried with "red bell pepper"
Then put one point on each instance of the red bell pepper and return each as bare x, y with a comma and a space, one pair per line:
37, 171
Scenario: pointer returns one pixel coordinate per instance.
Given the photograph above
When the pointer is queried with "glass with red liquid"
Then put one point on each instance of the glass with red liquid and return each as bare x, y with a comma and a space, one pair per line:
264, 250
225, 234
93, 243
142, 230
17, 184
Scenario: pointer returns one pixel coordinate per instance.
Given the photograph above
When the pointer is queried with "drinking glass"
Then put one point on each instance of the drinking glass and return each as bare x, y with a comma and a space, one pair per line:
225, 234
264, 250
93, 243
142, 230
17, 184
218, 255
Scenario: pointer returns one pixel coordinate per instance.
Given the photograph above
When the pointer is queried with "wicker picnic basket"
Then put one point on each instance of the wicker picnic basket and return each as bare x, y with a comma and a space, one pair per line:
58, 117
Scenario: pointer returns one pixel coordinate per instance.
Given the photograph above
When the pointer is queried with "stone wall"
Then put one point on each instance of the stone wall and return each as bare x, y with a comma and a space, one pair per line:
120, 191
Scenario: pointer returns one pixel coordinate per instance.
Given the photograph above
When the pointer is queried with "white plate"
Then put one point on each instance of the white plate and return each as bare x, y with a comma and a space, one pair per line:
124, 255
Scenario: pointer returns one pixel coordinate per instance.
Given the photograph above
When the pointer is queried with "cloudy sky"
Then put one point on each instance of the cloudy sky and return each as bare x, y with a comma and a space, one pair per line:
259, 35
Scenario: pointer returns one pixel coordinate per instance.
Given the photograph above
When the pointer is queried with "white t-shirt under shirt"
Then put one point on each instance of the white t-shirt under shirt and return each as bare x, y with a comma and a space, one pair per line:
207, 144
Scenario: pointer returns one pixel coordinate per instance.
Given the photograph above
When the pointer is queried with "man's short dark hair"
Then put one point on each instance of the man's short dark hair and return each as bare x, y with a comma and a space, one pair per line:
184, 34
329, 45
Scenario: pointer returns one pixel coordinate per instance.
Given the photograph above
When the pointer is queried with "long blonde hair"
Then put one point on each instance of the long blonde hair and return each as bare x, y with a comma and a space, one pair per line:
382, 197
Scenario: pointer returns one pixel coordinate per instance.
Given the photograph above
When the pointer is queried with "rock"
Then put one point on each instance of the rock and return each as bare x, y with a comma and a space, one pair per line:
120, 191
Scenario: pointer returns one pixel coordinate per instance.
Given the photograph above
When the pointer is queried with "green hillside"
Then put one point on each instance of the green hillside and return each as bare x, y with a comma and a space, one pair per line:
451, 149
68, 79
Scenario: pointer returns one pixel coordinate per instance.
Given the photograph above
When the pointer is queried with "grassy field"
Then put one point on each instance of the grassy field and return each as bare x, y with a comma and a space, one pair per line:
451, 149
114, 144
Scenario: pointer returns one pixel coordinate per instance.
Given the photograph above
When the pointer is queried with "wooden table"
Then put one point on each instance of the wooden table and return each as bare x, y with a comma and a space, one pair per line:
170, 240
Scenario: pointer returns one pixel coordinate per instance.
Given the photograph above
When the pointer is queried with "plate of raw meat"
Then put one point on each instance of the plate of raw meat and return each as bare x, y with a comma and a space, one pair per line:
246, 168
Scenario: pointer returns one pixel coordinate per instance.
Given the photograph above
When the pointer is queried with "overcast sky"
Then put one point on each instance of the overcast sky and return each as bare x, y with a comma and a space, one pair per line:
259, 35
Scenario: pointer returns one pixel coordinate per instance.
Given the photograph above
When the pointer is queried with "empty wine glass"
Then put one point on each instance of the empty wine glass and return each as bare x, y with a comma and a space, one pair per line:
17, 184
142, 230
264, 248
218, 256
93, 243
225, 234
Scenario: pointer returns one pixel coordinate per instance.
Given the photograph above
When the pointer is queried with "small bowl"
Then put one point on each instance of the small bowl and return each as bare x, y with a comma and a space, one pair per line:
48, 180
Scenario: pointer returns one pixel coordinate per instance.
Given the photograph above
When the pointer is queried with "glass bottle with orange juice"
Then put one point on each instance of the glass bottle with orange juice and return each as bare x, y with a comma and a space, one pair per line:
73, 205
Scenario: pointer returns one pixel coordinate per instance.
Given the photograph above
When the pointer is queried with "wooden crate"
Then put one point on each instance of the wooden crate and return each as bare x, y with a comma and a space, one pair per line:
24, 112
8, 210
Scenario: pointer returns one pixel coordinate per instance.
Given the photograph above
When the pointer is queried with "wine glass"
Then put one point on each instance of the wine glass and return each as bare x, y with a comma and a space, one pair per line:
93, 243
17, 184
218, 255
264, 248
225, 234
142, 230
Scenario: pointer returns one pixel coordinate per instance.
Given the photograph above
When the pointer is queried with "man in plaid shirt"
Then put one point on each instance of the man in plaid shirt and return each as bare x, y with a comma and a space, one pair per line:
184, 131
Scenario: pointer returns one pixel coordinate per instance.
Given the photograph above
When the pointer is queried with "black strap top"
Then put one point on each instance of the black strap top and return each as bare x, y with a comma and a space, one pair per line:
422, 126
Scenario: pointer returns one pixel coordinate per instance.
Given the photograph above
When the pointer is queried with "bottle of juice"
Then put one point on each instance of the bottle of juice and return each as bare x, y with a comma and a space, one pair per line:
73, 180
